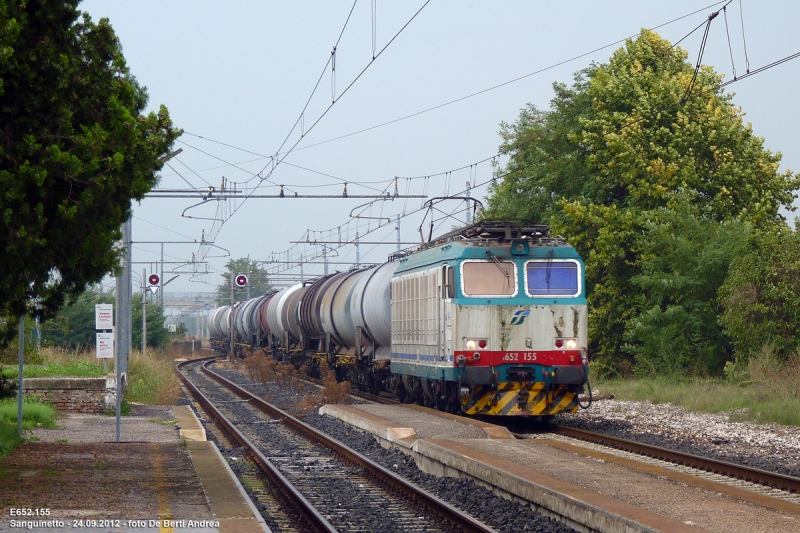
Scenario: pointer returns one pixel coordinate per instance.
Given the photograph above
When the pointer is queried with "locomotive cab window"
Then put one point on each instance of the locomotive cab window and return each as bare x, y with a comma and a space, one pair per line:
554, 277
495, 279
448, 282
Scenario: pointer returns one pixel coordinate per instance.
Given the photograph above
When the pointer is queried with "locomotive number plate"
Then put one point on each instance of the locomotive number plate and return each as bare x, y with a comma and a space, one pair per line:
519, 356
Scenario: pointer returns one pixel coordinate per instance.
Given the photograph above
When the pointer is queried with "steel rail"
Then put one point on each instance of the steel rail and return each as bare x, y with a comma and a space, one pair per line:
754, 475
312, 515
448, 512
746, 473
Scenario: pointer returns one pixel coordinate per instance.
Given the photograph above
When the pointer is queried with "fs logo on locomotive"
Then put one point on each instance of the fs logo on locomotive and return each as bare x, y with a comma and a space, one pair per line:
519, 317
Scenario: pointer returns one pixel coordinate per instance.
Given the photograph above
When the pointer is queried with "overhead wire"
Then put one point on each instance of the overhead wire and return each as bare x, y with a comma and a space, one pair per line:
616, 131
744, 41
493, 158
700, 55
509, 82
276, 161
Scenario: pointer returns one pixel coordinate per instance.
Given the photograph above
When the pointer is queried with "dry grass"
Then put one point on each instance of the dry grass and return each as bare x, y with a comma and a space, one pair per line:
763, 390
152, 379
332, 392
260, 368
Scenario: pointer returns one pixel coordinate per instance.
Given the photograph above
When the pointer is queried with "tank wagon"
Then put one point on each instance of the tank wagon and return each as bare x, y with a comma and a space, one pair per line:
489, 319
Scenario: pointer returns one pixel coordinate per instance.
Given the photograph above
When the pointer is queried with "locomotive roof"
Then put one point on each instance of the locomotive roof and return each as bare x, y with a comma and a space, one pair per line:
472, 241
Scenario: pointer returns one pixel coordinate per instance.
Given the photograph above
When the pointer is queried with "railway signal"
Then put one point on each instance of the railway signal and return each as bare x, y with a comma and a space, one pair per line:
241, 280
154, 281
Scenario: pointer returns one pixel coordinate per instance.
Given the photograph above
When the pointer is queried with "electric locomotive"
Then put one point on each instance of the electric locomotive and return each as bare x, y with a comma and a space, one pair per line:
492, 318
488, 319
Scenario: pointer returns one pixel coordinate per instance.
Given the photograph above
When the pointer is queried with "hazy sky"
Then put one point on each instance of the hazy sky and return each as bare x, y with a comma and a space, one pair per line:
240, 73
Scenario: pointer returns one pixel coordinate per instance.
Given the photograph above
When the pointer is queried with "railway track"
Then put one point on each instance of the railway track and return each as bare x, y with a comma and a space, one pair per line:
774, 484
321, 479
790, 486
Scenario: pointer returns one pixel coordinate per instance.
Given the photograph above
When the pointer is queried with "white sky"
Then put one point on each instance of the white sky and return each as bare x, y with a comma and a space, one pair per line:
241, 72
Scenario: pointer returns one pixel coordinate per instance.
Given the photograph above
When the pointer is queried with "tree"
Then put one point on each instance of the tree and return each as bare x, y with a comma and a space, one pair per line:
73, 325
257, 285
684, 258
628, 138
75, 148
157, 333
761, 295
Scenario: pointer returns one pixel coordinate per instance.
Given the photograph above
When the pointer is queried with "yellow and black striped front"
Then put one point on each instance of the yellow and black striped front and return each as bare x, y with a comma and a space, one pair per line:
521, 399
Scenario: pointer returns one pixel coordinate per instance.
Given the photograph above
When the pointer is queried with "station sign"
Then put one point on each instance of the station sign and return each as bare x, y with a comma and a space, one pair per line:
105, 345
103, 316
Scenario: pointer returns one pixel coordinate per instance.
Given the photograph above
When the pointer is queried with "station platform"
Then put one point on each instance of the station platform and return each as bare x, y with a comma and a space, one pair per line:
586, 489
163, 476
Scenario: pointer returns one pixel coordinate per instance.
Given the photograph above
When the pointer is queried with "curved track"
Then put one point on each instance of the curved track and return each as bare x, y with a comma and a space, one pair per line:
300, 495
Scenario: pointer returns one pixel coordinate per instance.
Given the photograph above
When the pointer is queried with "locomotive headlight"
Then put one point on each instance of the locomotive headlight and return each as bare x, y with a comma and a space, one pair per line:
572, 344
472, 344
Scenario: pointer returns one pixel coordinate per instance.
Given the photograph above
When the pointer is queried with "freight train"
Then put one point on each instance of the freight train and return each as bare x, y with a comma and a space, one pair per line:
488, 319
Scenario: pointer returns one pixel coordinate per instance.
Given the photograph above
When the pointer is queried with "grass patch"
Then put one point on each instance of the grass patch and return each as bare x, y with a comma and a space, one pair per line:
8, 438
86, 369
752, 402
163, 422
124, 409
34, 413
152, 379
56, 361
764, 389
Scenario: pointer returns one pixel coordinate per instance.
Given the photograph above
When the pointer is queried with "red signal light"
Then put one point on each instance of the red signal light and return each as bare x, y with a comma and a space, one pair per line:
241, 280
153, 279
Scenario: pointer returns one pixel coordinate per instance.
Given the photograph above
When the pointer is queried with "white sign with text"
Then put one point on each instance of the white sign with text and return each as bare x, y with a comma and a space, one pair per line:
103, 316
105, 345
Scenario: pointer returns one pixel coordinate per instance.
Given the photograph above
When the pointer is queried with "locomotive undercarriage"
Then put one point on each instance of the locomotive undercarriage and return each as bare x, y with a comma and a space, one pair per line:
522, 398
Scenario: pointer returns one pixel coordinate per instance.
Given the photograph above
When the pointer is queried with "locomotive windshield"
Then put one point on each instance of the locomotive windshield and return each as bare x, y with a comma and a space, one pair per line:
552, 278
489, 278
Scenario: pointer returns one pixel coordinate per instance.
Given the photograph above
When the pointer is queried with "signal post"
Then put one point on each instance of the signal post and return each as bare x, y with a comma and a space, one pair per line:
239, 280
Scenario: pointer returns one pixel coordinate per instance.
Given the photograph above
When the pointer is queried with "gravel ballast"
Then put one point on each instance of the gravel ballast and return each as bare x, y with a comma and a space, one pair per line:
502, 514
770, 447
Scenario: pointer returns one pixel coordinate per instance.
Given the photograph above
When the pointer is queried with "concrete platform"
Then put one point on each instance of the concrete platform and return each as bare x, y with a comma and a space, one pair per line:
588, 491
158, 480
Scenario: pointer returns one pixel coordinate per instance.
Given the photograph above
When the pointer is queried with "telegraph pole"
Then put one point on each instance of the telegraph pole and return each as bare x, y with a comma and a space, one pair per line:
144, 312
230, 315
124, 290
161, 279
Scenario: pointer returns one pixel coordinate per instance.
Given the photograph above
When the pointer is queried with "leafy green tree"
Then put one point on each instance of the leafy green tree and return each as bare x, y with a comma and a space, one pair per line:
258, 281
75, 148
73, 325
761, 296
157, 333
684, 258
625, 140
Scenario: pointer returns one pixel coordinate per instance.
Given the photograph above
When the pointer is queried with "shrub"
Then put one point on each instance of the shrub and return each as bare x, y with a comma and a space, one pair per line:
761, 296
8, 388
780, 378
